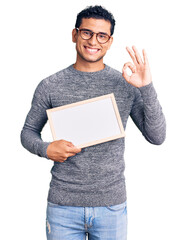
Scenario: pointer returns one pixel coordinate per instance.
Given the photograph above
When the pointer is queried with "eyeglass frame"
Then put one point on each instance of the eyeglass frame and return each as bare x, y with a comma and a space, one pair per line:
92, 34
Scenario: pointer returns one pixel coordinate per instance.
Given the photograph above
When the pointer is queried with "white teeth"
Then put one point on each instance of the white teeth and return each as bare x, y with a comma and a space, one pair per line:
92, 50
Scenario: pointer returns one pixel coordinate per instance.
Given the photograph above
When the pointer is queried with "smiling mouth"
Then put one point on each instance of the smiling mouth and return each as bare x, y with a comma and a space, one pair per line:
91, 50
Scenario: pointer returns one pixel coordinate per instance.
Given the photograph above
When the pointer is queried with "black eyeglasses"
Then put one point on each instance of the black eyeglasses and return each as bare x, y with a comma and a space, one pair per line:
87, 34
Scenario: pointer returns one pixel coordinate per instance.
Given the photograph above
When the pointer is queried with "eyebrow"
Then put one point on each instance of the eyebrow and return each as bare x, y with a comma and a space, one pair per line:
86, 29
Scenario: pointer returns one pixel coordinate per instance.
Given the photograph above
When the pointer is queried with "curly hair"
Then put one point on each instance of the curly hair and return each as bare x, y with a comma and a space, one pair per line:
97, 12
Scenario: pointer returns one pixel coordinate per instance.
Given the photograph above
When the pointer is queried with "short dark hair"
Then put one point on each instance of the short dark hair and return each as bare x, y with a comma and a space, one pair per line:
97, 12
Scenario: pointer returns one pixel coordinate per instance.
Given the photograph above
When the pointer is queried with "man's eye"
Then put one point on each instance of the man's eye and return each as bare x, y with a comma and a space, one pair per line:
103, 36
86, 33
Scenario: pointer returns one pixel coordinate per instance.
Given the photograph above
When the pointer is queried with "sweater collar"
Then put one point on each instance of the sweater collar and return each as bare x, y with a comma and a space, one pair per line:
100, 72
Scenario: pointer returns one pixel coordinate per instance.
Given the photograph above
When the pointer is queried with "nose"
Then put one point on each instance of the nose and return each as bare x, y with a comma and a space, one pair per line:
93, 40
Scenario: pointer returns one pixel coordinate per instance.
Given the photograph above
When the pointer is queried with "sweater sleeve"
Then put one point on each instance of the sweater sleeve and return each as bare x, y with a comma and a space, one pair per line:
34, 123
147, 114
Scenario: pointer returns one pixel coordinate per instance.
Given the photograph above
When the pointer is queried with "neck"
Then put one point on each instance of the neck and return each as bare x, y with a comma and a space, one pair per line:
89, 66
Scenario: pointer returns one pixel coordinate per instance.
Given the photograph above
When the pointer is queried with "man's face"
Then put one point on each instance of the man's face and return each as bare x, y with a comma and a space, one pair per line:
91, 50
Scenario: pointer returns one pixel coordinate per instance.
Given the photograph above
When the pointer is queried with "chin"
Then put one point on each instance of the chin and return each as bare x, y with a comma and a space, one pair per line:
91, 59
94, 60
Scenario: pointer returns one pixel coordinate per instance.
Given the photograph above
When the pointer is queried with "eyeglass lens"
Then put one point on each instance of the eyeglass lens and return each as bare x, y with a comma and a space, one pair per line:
87, 34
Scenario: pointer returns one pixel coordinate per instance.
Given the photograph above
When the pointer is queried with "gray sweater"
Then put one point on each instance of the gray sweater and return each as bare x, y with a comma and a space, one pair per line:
95, 176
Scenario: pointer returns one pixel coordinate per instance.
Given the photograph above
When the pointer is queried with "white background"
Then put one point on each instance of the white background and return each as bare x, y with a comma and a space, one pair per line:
35, 43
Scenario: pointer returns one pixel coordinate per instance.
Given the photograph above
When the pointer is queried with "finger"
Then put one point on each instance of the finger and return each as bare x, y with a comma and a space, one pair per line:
61, 161
130, 65
138, 57
71, 154
132, 55
65, 142
145, 57
124, 70
73, 149
70, 144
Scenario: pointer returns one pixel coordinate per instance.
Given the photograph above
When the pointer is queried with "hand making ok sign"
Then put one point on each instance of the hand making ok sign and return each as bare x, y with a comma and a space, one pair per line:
141, 75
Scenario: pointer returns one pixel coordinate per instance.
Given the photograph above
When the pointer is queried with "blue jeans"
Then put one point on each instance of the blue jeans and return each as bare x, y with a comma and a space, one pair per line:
75, 223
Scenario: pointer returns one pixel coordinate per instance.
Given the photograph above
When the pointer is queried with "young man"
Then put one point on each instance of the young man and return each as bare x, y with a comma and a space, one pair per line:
87, 192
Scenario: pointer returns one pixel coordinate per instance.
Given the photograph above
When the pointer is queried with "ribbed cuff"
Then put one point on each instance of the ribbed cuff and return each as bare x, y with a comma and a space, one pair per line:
42, 149
148, 93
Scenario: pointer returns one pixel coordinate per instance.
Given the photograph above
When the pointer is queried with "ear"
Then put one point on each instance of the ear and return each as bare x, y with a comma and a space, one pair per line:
74, 35
110, 42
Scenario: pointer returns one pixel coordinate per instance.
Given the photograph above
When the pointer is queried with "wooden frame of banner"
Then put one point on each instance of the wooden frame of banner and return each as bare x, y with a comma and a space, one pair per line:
87, 122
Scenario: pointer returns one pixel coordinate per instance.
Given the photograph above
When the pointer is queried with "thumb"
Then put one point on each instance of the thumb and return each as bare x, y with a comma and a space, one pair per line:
75, 147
